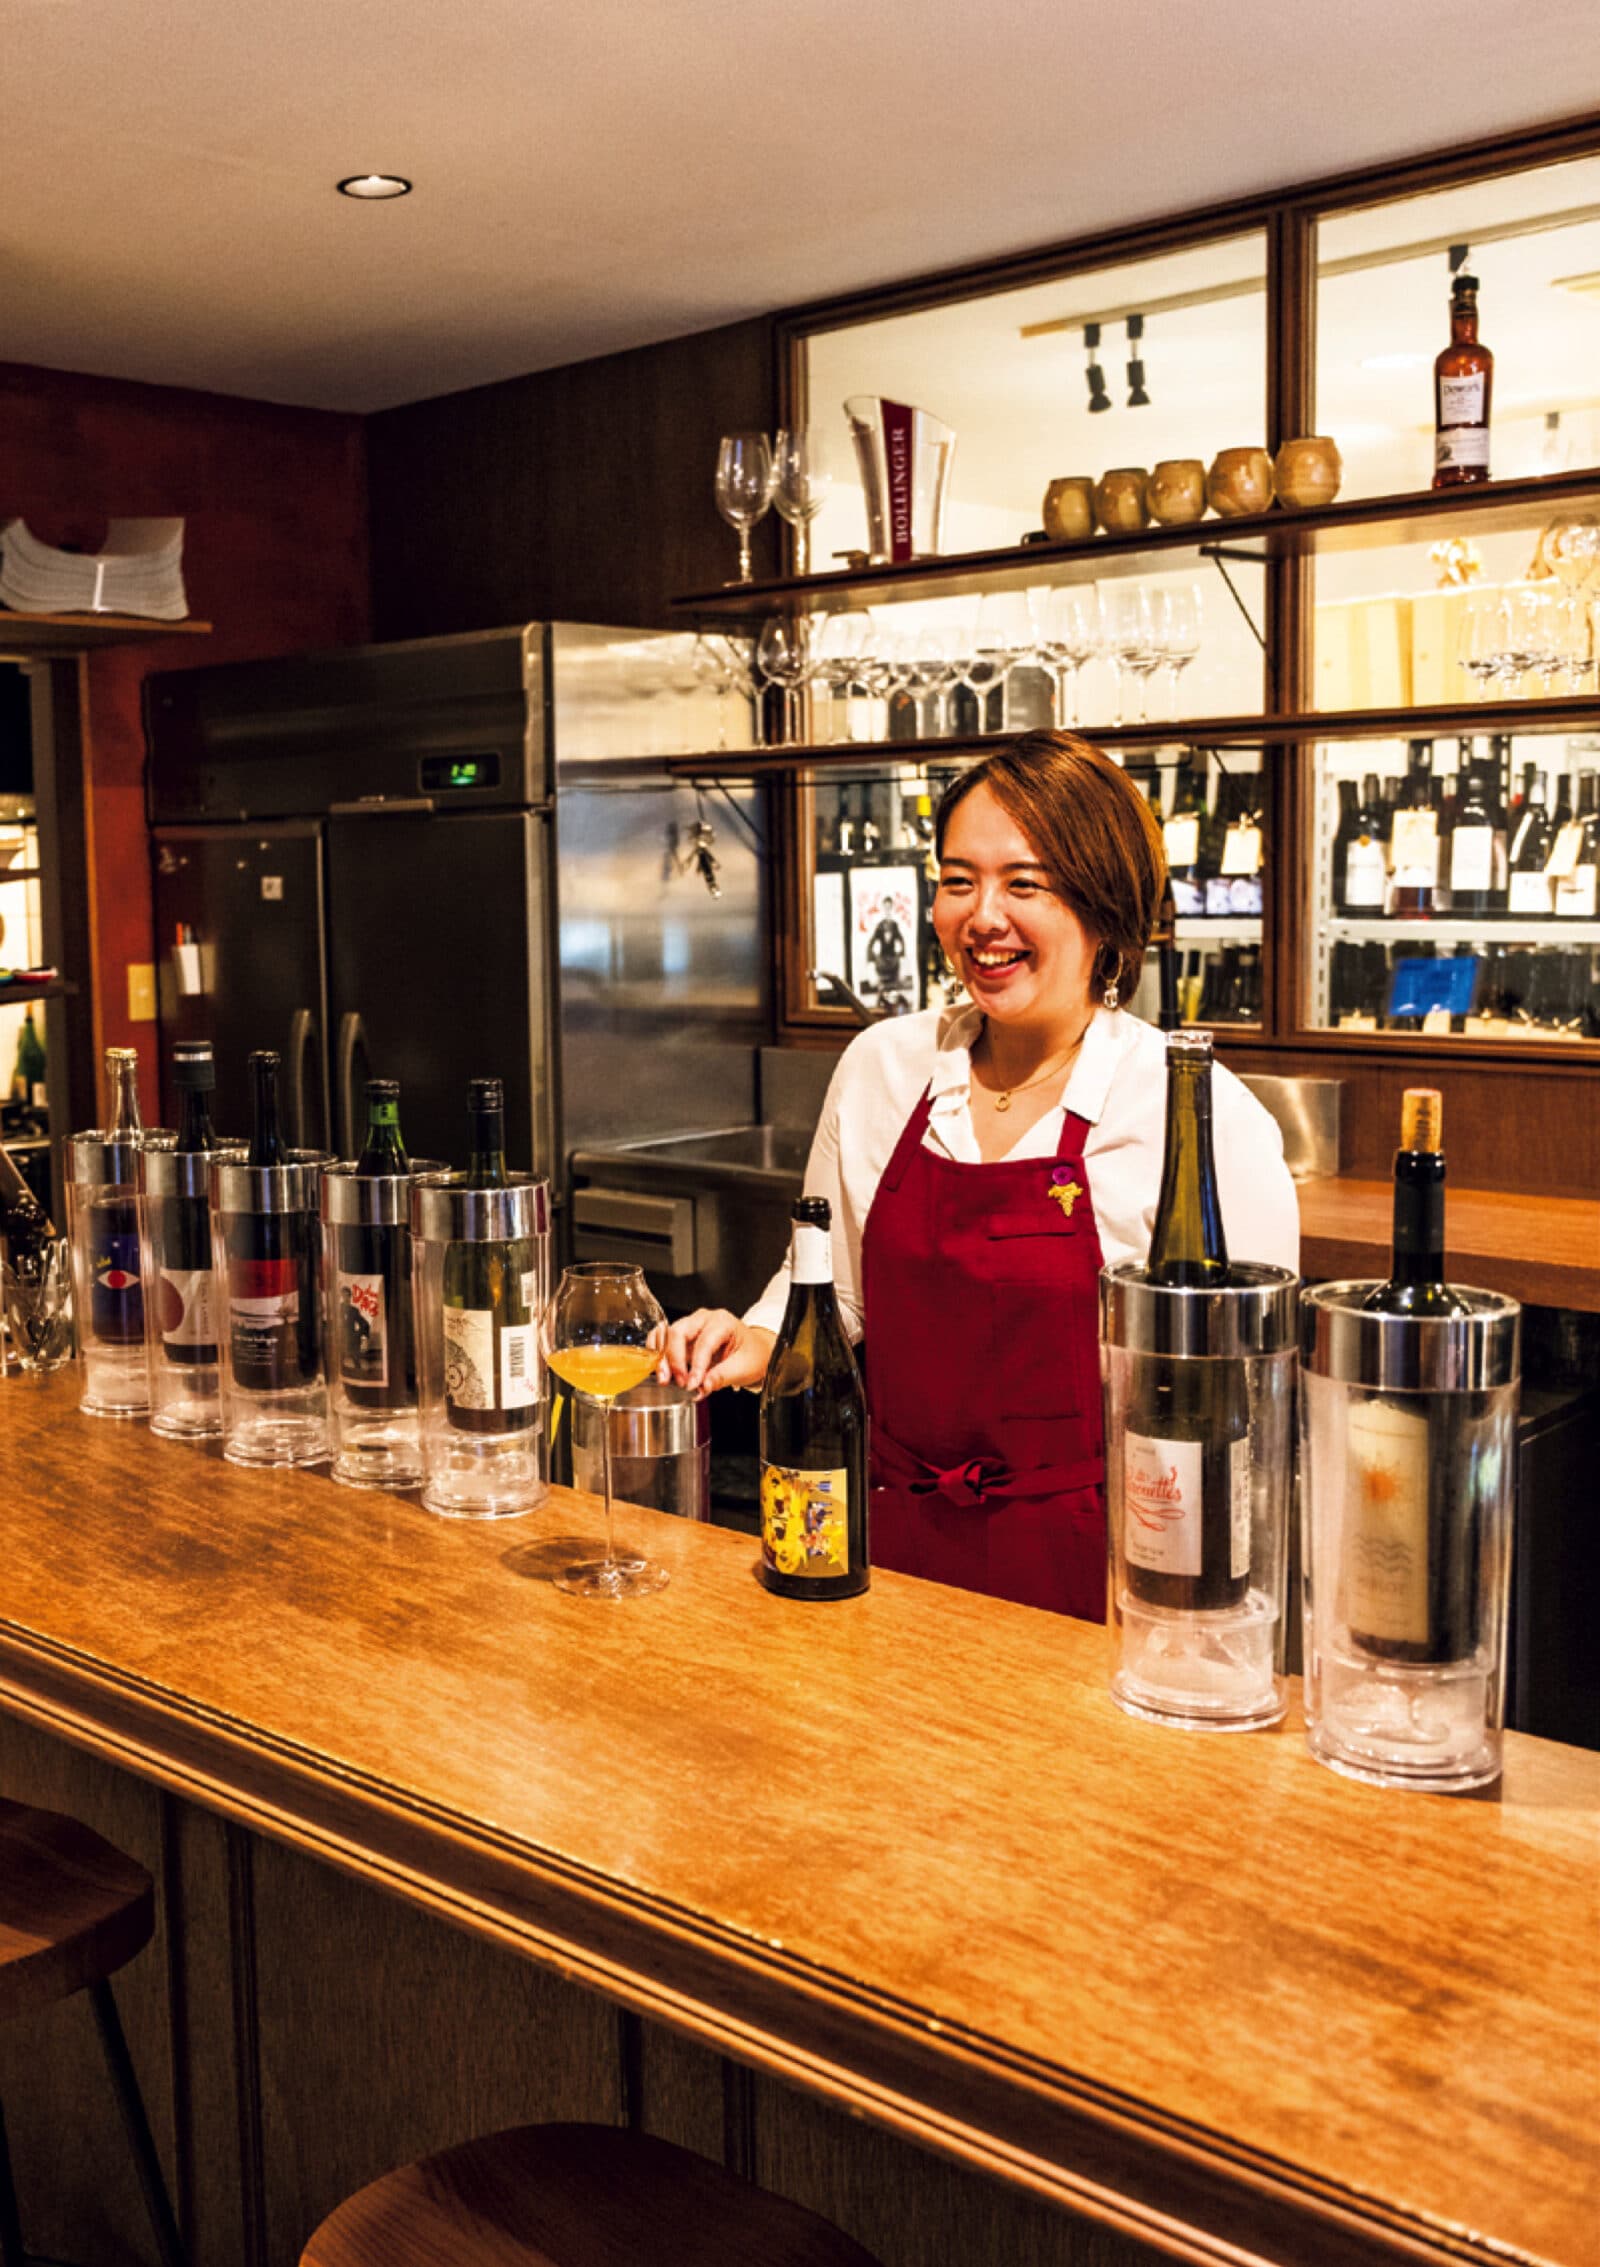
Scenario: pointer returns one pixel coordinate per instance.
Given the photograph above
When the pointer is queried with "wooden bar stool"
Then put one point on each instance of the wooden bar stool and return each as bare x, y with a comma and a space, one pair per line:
573, 2196
73, 1910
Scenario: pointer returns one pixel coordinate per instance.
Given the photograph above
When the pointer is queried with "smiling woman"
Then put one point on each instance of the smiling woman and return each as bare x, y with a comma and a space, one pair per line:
982, 1162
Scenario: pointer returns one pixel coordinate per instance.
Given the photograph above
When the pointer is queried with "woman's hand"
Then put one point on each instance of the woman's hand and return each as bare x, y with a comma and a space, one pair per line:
713, 1348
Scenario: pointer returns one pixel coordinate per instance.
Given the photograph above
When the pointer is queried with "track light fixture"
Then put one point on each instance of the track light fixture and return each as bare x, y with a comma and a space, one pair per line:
1137, 397
1099, 398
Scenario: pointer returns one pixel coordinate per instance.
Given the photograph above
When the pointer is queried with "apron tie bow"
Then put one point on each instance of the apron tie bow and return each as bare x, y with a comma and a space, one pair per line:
965, 1484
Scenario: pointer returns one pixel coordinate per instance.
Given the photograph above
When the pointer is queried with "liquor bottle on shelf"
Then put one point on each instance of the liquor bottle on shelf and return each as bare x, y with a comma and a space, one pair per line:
371, 1330
182, 1232
116, 1298
1414, 837
1499, 782
272, 1264
1574, 860
28, 1072
1361, 882
1186, 1474
1344, 833
1473, 895
25, 1229
1463, 379
1410, 1571
813, 1433
491, 1298
1180, 835
1530, 889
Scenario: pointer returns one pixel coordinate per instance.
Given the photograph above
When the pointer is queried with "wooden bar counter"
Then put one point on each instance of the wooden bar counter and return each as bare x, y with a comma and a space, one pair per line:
1205, 1999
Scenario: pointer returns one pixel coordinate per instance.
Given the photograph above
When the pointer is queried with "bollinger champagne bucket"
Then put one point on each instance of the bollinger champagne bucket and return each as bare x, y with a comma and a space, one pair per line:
904, 456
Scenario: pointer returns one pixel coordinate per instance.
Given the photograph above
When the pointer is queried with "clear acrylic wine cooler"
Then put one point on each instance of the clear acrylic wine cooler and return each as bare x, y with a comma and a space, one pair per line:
1408, 1476
1199, 1401
266, 1242
182, 1301
368, 1303
108, 1288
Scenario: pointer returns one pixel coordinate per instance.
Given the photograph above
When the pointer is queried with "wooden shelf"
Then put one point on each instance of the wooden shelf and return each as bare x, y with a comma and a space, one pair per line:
1565, 713
58, 988
1366, 522
35, 637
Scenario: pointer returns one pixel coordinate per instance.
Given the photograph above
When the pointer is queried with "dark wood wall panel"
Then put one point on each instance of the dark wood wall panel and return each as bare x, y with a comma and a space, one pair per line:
1514, 1126
582, 494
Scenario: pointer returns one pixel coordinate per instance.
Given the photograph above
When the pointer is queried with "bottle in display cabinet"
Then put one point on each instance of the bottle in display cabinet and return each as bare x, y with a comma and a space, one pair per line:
371, 1327
1409, 1572
116, 1300
813, 1433
1530, 889
1476, 848
1575, 858
1361, 884
272, 1265
28, 1072
182, 1232
1463, 378
1414, 837
1186, 1450
1181, 838
491, 1298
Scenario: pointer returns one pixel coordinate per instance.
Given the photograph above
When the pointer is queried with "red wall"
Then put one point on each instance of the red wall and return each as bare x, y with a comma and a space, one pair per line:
275, 558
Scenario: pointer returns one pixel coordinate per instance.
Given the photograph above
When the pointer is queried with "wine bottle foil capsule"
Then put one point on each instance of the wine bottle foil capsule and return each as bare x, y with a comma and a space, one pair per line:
1478, 1352
1253, 1315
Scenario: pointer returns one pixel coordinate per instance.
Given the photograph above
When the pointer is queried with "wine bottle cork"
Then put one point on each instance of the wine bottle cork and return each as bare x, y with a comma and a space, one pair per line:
1422, 1118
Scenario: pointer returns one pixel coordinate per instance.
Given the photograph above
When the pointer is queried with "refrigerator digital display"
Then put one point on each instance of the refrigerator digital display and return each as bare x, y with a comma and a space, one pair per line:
440, 774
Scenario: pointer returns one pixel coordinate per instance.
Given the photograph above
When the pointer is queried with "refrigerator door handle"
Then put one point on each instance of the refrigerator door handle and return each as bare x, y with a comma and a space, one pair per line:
352, 1041
302, 1034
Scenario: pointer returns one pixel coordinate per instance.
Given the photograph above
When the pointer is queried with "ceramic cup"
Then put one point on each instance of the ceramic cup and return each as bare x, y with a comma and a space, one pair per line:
1240, 480
1068, 509
1119, 503
1176, 491
1307, 472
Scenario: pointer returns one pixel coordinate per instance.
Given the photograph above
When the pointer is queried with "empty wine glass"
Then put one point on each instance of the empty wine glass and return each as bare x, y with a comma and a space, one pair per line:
935, 669
1131, 643
1484, 640
837, 644
1066, 625
36, 1294
802, 483
745, 477
602, 1334
1177, 619
783, 658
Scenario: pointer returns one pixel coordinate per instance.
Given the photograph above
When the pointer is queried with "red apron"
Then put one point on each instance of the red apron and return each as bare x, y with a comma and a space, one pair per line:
981, 1316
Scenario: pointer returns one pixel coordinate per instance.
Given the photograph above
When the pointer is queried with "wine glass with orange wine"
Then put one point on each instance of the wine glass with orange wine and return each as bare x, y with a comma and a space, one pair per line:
603, 1334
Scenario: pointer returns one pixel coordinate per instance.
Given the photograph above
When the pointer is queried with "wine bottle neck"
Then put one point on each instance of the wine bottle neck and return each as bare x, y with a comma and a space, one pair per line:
266, 1139
195, 1131
384, 1151
1418, 1216
125, 1099
1188, 1246
487, 1169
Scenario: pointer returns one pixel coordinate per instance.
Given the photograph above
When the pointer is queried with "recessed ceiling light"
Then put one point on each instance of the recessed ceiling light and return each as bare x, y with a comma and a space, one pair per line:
1393, 361
374, 185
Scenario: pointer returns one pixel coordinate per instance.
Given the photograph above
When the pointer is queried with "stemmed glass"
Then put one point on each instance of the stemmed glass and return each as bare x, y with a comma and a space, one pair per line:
36, 1294
602, 1335
837, 645
1066, 625
1131, 642
745, 478
783, 658
1485, 637
935, 669
802, 484
1178, 636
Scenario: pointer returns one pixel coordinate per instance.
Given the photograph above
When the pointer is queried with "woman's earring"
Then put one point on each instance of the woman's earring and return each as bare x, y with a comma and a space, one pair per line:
1111, 997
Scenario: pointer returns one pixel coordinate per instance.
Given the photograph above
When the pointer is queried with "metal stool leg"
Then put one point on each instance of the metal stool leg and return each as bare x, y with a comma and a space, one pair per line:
137, 2126
11, 2251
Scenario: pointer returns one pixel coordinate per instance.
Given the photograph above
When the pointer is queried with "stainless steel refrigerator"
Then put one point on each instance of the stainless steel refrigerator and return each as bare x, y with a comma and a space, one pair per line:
455, 858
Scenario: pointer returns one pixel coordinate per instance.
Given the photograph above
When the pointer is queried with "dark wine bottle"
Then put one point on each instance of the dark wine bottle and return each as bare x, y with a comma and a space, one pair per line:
272, 1287
371, 1323
116, 1297
1472, 849
1365, 875
1414, 837
1186, 1449
813, 1433
491, 1298
180, 1226
1530, 888
1577, 882
1409, 1564
1180, 838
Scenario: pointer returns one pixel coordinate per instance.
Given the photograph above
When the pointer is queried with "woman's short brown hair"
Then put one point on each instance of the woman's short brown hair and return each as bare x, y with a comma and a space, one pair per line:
1096, 836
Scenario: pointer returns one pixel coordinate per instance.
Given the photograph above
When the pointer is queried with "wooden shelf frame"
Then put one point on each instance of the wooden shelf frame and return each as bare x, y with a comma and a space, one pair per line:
35, 637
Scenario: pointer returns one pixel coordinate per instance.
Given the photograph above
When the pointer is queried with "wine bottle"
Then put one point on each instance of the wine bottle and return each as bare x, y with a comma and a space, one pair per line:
1344, 833
116, 1297
491, 1297
1576, 874
1180, 837
813, 1432
1463, 379
1186, 1449
272, 1291
1414, 839
1409, 1566
25, 1226
1530, 888
180, 1225
1472, 849
371, 1323
1366, 860
28, 1074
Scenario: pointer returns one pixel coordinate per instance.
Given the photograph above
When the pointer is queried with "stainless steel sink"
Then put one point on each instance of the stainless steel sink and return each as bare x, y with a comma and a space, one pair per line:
780, 1151
706, 1214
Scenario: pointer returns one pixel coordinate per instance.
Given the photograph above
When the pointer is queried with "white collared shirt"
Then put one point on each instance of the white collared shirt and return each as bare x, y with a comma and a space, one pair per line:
1118, 1086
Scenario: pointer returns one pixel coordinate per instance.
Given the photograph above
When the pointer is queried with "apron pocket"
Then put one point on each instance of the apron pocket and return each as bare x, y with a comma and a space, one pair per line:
1044, 1320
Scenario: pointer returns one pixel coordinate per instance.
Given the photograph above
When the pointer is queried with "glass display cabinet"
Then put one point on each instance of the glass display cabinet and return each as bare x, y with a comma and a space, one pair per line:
1367, 707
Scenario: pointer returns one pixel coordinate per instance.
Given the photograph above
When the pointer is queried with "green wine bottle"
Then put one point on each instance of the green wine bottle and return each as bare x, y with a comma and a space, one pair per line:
813, 1433
1409, 1564
371, 1326
1186, 1449
491, 1295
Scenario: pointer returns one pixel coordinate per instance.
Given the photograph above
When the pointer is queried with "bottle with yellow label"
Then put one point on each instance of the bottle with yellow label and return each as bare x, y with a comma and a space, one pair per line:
813, 1433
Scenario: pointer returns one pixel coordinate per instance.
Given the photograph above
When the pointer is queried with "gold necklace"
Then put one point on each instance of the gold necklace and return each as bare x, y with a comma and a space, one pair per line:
1004, 1099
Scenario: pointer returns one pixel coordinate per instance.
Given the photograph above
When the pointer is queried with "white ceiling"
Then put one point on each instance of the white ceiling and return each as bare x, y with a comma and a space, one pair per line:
595, 174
